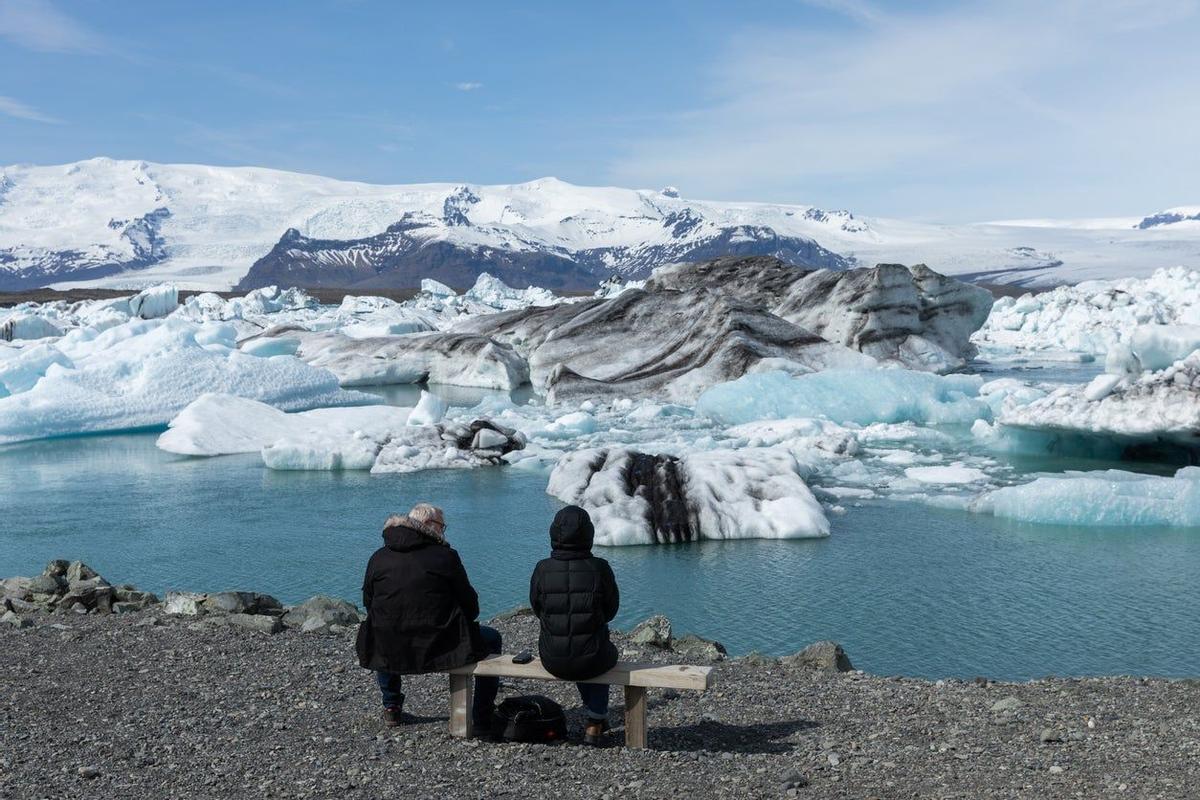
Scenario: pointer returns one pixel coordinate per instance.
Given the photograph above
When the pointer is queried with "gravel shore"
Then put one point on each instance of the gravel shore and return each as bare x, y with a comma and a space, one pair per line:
143, 705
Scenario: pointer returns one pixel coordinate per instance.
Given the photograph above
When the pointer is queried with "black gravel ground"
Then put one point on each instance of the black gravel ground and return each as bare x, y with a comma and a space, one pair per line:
113, 707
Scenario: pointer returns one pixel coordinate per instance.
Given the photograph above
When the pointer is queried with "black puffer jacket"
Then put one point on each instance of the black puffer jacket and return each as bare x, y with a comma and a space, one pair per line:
574, 594
421, 607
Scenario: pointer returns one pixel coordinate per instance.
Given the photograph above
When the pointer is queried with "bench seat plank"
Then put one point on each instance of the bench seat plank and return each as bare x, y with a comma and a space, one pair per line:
625, 673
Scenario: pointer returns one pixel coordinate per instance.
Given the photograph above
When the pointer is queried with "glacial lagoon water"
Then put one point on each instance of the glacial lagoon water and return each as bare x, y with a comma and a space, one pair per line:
908, 589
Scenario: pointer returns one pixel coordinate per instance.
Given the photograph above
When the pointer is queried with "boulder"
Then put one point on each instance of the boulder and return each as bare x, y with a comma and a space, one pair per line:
186, 604
9, 618
240, 603
699, 648
653, 632
319, 612
79, 571
16, 587
45, 584
256, 622
57, 568
827, 656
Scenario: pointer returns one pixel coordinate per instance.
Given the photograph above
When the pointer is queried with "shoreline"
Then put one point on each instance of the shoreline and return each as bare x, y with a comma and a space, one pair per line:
148, 704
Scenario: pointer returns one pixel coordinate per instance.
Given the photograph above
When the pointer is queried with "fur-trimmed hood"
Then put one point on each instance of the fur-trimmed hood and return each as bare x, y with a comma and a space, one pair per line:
402, 532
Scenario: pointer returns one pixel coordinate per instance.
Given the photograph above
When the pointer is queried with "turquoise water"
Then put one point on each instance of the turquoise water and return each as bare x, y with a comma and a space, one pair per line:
907, 589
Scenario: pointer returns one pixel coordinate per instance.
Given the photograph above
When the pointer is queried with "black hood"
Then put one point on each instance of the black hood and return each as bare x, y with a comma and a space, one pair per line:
403, 538
572, 531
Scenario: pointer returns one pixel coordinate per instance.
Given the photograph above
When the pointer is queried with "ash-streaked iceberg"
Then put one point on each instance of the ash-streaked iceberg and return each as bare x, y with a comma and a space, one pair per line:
458, 359
637, 498
1109, 498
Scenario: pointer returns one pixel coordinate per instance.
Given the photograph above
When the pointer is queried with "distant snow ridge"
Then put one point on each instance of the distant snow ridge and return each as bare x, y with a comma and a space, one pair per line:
1092, 317
134, 223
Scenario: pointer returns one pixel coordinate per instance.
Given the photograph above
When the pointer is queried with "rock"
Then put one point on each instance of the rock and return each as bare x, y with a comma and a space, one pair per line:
79, 571
1055, 769
57, 568
240, 603
256, 622
1006, 704
16, 587
126, 608
757, 659
45, 584
319, 612
827, 656
699, 648
186, 604
653, 632
18, 622
20, 606
88, 773
792, 780
1051, 735
147, 622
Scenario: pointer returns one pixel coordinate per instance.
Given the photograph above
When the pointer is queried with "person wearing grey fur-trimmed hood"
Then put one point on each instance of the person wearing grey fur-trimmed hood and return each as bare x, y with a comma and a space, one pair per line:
422, 613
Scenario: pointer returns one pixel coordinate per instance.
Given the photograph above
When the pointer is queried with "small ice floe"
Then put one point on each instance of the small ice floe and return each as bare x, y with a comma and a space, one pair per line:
1109, 498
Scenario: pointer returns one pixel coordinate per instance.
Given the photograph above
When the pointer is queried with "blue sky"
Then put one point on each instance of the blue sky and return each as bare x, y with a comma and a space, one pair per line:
953, 111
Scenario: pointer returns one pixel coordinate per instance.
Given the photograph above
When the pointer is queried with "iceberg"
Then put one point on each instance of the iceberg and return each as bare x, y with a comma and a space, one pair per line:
142, 373
1111, 498
1092, 317
448, 358
635, 498
845, 396
379, 438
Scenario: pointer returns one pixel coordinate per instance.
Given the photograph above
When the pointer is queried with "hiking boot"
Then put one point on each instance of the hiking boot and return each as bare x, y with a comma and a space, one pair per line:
393, 716
594, 731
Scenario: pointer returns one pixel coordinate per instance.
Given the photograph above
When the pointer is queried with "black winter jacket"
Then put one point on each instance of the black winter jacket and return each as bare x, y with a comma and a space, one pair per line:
421, 607
574, 595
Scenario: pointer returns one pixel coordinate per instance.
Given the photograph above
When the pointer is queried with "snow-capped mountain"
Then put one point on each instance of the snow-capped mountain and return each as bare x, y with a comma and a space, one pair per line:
131, 223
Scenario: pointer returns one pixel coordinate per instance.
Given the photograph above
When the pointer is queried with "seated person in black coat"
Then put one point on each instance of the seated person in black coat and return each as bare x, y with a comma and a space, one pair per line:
421, 613
574, 595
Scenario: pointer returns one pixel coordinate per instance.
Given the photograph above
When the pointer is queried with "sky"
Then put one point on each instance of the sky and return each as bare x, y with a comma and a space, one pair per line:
963, 111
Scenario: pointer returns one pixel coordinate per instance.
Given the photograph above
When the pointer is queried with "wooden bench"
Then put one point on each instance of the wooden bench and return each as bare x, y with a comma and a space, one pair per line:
636, 678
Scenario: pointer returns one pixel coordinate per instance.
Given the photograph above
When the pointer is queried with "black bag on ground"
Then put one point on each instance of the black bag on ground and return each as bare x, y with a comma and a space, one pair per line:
531, 718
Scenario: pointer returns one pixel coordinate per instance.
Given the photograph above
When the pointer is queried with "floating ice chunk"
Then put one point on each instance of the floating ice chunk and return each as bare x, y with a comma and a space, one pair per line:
266, 348
634, 498
578, 423
27, 326
848, 396
1159, 346
218, 424
430, 410
321, 452
436, 288
1106, 498
155, 302
1101, 387
956, 473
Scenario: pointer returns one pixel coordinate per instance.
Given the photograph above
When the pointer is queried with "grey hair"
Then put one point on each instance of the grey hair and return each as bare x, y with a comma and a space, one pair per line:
426, 513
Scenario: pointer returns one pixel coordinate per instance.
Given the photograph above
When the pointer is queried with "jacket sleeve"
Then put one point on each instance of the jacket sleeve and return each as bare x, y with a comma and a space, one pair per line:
464, 592
368, 587
612, 595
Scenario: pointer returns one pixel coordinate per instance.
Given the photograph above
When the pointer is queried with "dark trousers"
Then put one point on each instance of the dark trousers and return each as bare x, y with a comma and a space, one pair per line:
595, 699
390, 684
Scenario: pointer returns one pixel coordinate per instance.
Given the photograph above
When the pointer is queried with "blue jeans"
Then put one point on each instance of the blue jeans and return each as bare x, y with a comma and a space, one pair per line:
485, 688
595, 699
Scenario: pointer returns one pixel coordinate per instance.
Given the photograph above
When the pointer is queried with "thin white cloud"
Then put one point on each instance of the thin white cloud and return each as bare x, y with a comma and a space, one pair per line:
38, 25
854, 9
15, 108
970, 109
468, 86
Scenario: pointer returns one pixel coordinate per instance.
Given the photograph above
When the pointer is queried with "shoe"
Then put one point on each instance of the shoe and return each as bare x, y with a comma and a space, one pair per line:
594, 731
393, 716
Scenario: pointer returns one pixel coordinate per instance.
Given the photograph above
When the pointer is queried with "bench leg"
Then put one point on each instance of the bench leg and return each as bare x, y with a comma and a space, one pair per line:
635, 716
461, 694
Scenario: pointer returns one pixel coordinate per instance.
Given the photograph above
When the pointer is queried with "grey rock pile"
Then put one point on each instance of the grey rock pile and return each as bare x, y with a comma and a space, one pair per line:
66, 587
72, 587
655, 633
